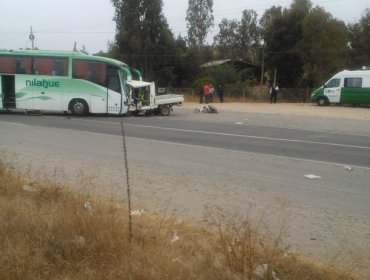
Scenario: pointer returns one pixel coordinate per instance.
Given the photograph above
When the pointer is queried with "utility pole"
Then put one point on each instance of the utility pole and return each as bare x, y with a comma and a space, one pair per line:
32, 38
262, 69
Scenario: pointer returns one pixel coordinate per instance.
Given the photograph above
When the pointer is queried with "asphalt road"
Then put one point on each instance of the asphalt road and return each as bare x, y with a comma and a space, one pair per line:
292, 143
182, 166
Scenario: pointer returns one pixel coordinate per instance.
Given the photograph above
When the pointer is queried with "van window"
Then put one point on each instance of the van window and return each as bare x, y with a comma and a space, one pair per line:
352, 82
333, 83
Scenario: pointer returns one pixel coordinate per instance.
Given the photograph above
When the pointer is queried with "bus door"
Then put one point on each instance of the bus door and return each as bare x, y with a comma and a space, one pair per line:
1, 93
114, 91
7, 85
333, 90
8, 91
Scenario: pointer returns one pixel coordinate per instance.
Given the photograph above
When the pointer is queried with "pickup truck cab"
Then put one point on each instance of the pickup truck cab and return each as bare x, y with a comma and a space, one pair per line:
145, 100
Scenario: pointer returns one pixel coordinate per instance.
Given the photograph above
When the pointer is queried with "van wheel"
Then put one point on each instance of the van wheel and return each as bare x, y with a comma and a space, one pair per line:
79, 107
165, 110
322, 101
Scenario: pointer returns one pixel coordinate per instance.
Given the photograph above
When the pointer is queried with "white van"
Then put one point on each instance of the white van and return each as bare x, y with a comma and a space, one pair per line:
345, 87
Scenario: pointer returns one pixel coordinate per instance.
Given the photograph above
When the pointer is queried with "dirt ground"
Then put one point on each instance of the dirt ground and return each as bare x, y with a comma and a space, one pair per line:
183, 182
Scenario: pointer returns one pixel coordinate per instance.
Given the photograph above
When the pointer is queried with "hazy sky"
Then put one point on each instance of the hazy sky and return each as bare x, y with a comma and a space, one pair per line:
57, 24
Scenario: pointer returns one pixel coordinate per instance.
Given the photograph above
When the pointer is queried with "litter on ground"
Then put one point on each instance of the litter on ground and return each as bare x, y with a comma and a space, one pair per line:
137, 213
28, 188
312, 177
175, 237
348, 168
206, 109
88, 206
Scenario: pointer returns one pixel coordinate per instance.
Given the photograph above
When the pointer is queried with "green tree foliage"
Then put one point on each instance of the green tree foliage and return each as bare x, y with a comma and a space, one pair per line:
227, 40
199, 18
249, 36
144, 40
323, 46
188, 66
227, 74
359, 38
282, 33
239, 39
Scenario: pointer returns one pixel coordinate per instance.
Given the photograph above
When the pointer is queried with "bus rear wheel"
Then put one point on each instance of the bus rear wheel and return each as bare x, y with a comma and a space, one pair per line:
79, 107
322, 101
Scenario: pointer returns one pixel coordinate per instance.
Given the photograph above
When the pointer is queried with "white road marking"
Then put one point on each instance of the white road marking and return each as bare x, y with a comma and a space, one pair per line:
12, 123
202, 147
239, 135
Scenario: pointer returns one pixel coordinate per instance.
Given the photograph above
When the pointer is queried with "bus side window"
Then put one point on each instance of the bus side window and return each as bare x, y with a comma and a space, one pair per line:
91, 71
23, 65
60, 67
8, 65
114, 84
50, 66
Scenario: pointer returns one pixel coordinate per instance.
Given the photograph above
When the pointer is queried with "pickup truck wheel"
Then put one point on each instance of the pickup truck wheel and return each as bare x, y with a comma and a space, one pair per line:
322, 101
165, 110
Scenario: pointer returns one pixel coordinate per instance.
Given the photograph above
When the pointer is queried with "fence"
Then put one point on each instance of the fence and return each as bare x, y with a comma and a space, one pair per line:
243, 94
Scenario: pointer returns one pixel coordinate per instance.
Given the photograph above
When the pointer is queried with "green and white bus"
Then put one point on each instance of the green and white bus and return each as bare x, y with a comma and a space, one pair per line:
345, 87
73, 82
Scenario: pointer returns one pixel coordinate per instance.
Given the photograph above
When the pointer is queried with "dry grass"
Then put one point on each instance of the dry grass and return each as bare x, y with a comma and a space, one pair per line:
48, 232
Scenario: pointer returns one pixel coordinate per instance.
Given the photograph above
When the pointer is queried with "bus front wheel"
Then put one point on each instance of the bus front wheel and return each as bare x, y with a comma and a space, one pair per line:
79, 107
322, 101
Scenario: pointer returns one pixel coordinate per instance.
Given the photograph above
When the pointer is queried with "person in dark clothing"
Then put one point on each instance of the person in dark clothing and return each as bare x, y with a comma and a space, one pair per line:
220, 91
201, 95
273, 93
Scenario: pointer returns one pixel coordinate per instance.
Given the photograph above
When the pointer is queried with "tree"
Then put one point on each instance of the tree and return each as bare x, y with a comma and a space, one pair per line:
199, 18
144, 40
282, 33
323, 46
359, 38
249, 36
227, 40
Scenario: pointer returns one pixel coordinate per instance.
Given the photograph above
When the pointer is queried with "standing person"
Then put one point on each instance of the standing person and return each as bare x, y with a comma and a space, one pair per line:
206, 93
220, 90
201, 95
273, 92
211, 92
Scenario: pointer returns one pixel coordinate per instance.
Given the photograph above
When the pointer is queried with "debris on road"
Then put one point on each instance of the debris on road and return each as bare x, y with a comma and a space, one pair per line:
348, 168
312, 177
206, 109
